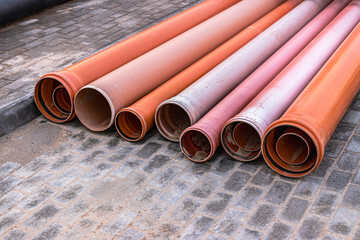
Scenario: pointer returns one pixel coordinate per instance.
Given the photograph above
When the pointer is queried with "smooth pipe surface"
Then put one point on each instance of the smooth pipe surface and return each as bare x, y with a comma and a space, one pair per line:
202, 95
132, 81
84, 72
276, 97
318, 122
135, 121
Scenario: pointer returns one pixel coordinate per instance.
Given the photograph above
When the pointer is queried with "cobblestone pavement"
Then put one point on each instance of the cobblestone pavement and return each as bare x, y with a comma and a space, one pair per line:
99, 186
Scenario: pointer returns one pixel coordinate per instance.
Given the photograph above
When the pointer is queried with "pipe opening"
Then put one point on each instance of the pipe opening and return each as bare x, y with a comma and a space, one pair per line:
93, 109
246, 137
53, 99
290, 151
171, 121
61, 99
195, 145
232, 148
129, 125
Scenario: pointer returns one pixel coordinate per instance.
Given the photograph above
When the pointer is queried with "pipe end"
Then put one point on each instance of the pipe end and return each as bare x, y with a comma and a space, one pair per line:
196, 145
129, 125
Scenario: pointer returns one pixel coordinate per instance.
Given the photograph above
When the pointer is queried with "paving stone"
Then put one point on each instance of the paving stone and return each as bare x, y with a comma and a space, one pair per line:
197, 228
88, 144
120, 221
249, 197
230, 223
61, 163
174, 192
337, 181
113, 143
70, 193
264, 177
8, 168
35, 182
248, 234
206, 187
73, 213
127, 167
8, 183
30, 168
252, 166
278, 192
66, 177
325, 203
333, 148
37, 198
194, 173
279, 231
263, 216
150, 217
331, 237
356, 179
90, 159
81, 230
104, 210
348, 162
311, 228
9, 219
144, 198
295, 210
50, 232
148, 150
323, 168
343, 221
181, 161
357, 234
354, 145
213, 237
129, 234
237, 181
79, 136
224, 166
16, 234
41, 217
165, 177
9, 200
308, 186
351, 117
343, 132
156, 163
351, 198
97, 172
185, 210
121, 154
172, 149
217, 204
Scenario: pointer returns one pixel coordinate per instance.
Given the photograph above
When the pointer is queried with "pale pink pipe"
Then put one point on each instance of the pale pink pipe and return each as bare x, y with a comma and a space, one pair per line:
208, 128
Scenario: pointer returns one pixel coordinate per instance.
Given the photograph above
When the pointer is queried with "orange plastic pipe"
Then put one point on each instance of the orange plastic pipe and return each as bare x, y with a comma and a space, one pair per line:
97, 103
84, 72
135, 121
316, 112
209, 127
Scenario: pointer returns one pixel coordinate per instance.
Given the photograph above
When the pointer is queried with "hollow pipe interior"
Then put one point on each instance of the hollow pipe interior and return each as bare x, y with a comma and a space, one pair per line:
129, 125
195, 145
61, 99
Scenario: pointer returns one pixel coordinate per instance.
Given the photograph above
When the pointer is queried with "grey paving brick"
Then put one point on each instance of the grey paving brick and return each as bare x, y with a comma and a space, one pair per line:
144, 198
120, 221
50, 232
263, 216
92, 158
279, 231
195, 172
249, 197
213, 237
165, 177
88, 144
351, 117
172, 149
295, 209
224, 166
206, 187
81, 230
127, 167
35, 182
333, 148
237, 181
37, 198
148, 150
348, 162
66, 177
97, 172
217, 204
252, 166
343, 221
337, 181
278, 192
79, 136
356, 179
185, 210
351, 198
8, 168
113, 143
150, 217
129, 234
308, 186
343, 132
9, 200
8, 183
325, 203
70, 193
354, 144
264, 177
174, 192
355, 105
74, 212
230, 223
104, 210
323, 168
156, 163
121, 154
166, 231
197, 228
331, 237
41, 217
248, 234
357, 234
311, 228
9, 219
16, 234
30, 168
61, 163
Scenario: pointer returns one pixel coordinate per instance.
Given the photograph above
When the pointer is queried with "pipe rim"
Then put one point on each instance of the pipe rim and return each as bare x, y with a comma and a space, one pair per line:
122, 127
162, 125
83, 116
